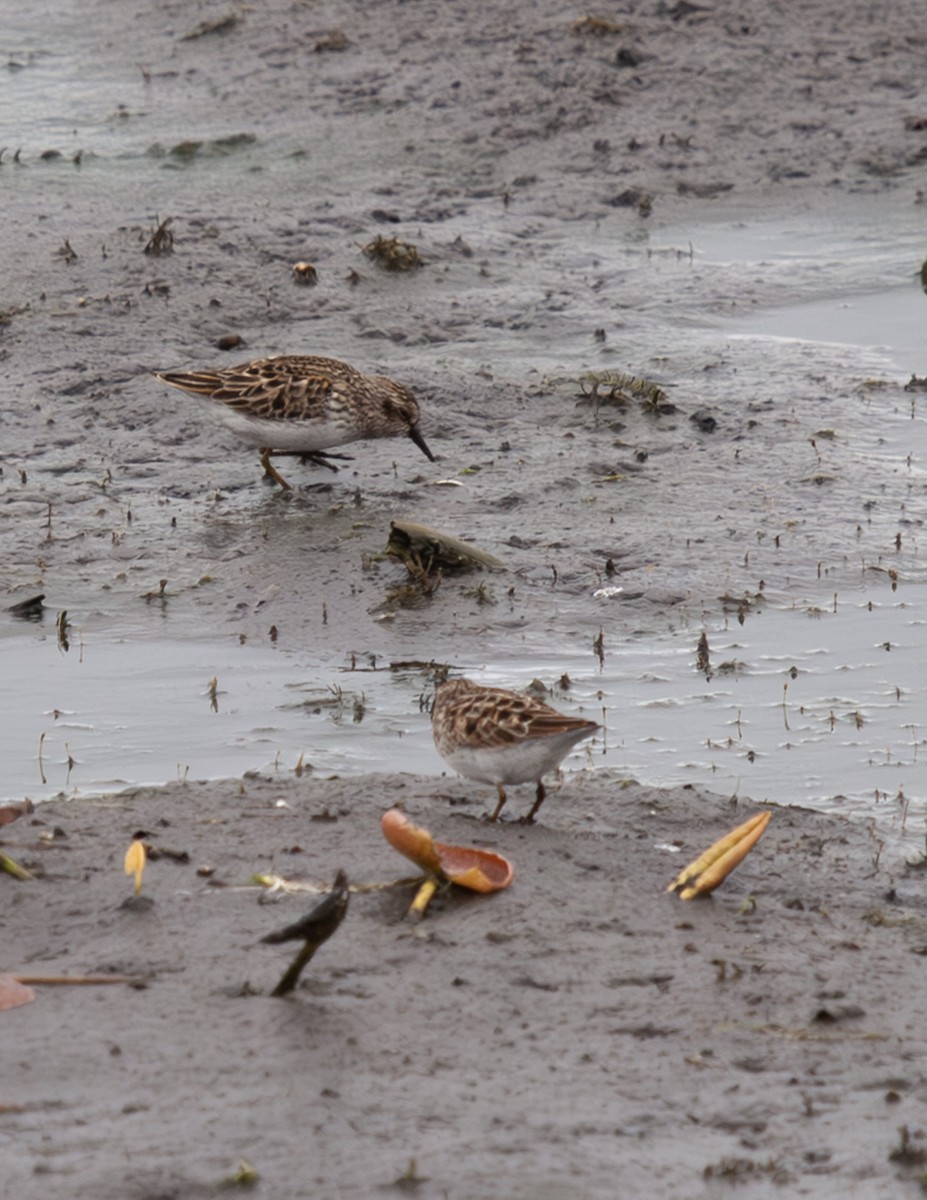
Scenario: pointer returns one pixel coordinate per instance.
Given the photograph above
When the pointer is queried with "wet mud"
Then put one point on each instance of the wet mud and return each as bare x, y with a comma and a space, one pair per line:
582, 1032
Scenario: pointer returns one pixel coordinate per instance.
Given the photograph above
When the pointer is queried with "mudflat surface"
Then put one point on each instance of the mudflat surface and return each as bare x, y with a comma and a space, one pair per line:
581, 1034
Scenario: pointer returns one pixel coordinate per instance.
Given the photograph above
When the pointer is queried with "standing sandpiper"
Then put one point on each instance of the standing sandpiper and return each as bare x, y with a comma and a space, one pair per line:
303, 405
496, 736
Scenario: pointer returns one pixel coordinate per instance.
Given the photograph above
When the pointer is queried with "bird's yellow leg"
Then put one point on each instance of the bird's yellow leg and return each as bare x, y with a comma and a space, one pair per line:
501, 804
271, 470
538, 801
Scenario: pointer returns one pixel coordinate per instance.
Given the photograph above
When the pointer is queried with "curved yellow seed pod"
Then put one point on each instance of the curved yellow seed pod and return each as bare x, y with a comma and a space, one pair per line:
135, 863
713, 867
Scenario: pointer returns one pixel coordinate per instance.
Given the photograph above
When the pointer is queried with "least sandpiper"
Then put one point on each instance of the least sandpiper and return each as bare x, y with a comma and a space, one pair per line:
303, 405
496, 736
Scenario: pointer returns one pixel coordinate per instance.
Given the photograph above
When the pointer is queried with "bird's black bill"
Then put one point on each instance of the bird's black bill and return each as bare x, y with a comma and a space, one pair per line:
416, 436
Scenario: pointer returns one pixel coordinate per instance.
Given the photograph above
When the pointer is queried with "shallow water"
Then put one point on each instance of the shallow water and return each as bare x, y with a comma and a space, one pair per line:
855, 274
891, 322
816, 707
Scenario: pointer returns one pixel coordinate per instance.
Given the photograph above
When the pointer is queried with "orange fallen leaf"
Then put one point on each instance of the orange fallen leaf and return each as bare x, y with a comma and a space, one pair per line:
12, 812
13, 993
411, 840
467, 866
478, 870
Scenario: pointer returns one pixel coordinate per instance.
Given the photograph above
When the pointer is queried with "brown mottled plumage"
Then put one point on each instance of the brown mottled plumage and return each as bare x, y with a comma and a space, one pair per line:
303, 405
497, 736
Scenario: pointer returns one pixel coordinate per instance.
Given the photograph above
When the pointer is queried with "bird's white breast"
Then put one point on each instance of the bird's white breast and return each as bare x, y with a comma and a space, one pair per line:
308, 436
520, 762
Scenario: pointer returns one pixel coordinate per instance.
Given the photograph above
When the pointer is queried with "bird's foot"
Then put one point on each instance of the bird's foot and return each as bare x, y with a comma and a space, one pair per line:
322, 459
